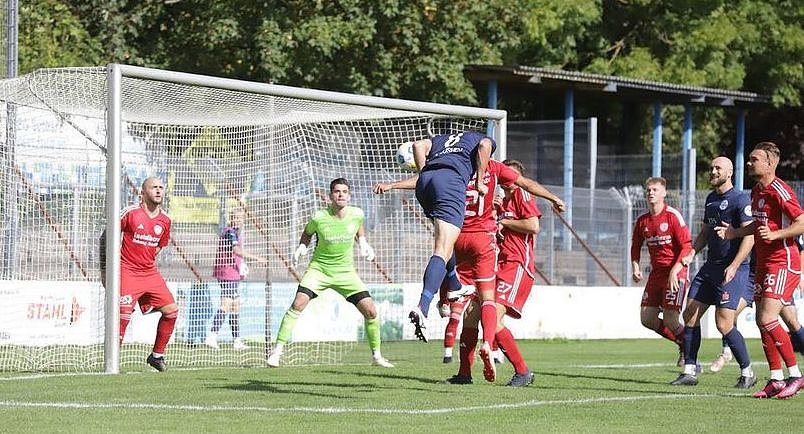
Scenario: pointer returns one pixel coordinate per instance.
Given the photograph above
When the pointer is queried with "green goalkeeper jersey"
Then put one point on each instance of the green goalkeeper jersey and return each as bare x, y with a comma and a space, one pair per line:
334, 239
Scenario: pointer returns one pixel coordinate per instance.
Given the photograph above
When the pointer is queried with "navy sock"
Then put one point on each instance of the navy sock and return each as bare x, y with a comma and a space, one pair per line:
737, 344
797, 338
692, 343
234, 324
217, 322
452, 275
433, 276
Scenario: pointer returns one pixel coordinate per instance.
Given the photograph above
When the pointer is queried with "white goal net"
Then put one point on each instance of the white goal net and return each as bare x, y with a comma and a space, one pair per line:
218, 145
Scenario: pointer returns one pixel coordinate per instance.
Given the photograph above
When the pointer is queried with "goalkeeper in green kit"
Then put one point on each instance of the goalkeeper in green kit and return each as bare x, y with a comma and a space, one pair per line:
332, 266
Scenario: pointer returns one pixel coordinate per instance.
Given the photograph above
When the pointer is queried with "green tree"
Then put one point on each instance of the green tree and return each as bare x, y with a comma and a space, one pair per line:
744, 44
50, 35
417, 49
392, 48
559, 33
412, 49
738, 45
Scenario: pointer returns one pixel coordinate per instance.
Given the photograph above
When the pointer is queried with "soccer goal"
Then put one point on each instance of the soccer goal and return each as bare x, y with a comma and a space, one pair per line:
78, 142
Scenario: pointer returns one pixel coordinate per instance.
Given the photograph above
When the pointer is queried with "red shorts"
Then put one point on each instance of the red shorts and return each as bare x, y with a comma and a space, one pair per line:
149, 289
513, 287
657, 290
476, 255
775, 281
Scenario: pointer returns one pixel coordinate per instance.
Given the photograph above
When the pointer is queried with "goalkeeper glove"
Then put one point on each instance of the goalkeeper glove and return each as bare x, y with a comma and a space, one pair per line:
366, 250
300, 251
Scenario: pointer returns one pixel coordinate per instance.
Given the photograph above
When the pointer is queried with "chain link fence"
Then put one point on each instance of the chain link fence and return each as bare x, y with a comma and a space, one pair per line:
603, 220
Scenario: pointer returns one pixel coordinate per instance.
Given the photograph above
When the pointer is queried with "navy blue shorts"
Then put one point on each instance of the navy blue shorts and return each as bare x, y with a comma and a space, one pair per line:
442, 195
230, 288
707, 287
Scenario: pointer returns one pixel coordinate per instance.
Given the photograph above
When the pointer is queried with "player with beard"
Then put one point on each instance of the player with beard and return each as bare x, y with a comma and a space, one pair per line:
724, 280
778, 219
145, 230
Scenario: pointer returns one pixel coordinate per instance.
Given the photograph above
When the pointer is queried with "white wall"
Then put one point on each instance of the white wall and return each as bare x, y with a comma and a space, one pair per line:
52, 312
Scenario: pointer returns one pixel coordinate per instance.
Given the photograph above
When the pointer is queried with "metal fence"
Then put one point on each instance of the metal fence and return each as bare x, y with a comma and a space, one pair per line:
603, 220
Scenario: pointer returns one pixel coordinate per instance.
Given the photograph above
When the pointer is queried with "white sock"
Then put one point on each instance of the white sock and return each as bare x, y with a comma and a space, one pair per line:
689, 369
794, 371
747, 371
776, 374
279, 348
158, 355
448, 352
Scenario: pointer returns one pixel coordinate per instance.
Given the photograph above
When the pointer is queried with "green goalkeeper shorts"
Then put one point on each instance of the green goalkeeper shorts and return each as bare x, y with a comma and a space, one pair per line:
344, 283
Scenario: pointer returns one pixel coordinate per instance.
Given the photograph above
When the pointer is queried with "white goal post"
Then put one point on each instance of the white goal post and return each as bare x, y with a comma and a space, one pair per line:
78, 142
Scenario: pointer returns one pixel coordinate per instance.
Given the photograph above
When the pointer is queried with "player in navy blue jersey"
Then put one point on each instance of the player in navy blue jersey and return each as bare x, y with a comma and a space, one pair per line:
790, 313
447, 163
724, 280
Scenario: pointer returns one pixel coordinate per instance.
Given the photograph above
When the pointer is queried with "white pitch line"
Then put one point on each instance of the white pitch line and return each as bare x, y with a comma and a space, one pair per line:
40, 376
643, 365
343, 410
622, 366
90, 374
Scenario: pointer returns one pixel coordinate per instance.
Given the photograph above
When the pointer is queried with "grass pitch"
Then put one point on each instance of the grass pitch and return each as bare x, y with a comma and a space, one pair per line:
581, 386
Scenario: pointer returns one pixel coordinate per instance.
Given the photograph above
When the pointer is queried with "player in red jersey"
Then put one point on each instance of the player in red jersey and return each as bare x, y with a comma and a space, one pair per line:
453, 310
523, 218
476, 252
145, 231
475, 249
519, 225
790, 312
778, 220
669, 240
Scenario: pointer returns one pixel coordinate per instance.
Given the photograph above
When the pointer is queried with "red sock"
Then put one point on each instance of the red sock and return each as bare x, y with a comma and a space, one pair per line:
667, 333
779, 340
679, 335
451, 331
164, 330
488, 319
124, 320
511, 350
468, 345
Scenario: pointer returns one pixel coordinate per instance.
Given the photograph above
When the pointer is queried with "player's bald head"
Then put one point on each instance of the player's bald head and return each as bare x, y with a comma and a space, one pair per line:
721, 170
149, 181
724, 163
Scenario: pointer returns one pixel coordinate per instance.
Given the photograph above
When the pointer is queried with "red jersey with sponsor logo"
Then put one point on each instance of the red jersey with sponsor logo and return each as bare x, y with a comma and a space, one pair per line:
666, 234
775, 206
142, 236
479, 215
516, 246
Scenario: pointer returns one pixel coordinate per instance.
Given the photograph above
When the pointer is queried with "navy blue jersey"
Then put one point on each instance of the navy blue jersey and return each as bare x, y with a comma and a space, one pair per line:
456, 152
733, 207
